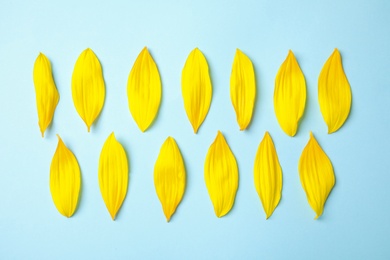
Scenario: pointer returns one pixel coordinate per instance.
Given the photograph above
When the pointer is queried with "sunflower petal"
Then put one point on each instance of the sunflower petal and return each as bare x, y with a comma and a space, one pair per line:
221, 175
113, 175
144, 90
316, 174
47, 96
88, 89
268, 175
196, 88
289, 95
65, 180
243, 89
169, 177
334, 93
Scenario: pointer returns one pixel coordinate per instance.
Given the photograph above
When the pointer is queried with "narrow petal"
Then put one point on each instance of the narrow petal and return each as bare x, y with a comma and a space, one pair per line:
196, 88
221, 175
289, 95
113, 175
317, 176
169, 177
268, 175
88, 89
144, 90
65, 180
47, 96
334, 93
243, 89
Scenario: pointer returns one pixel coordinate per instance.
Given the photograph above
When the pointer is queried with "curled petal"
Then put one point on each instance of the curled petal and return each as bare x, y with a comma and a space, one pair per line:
242, 89
65, 180
144, 90
47, 96
169, 177
88, 89
334, 93
221, 175
268, 175
289, 95
196, 88
317, 176
113, 175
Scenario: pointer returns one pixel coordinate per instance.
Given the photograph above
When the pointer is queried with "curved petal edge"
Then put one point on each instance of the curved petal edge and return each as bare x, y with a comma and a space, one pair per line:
316, 174
144, 90
169, 177
113, 175
221, 175
65, 180
243, 89
334, 93
289, 95
268, 175
47, 95
196, 88
88, 90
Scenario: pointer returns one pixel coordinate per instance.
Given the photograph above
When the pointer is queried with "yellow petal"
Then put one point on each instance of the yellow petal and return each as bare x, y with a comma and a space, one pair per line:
289, 95
65, 180
169, 177
221, 175
196, 88
88, 89
242, 89
334, 93
113, 175
317, 176
268, 175
46, 92
144, 90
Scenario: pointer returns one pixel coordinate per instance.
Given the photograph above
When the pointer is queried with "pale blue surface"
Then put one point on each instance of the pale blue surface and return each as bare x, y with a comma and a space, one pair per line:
355, 224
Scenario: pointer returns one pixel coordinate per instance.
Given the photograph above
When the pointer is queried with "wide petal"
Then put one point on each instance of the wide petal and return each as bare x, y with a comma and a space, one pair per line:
196, 88
221, 175
88, 90
268, 175
144, 90
243, 89
65, 180
316, 174
169, 177
289, 95
334, 93
113, 175
47, 96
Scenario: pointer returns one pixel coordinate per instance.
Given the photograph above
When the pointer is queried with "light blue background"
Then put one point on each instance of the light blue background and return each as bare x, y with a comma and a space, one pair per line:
355, 223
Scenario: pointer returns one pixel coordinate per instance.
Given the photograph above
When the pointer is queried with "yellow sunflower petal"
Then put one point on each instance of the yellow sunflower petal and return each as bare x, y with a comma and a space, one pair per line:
169, 177
113, 175
144, 90
334, 93
317, 176
221, 175
243, 89
289, 95
196, 88
88, 89
47, 96
268, 175
65, 180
